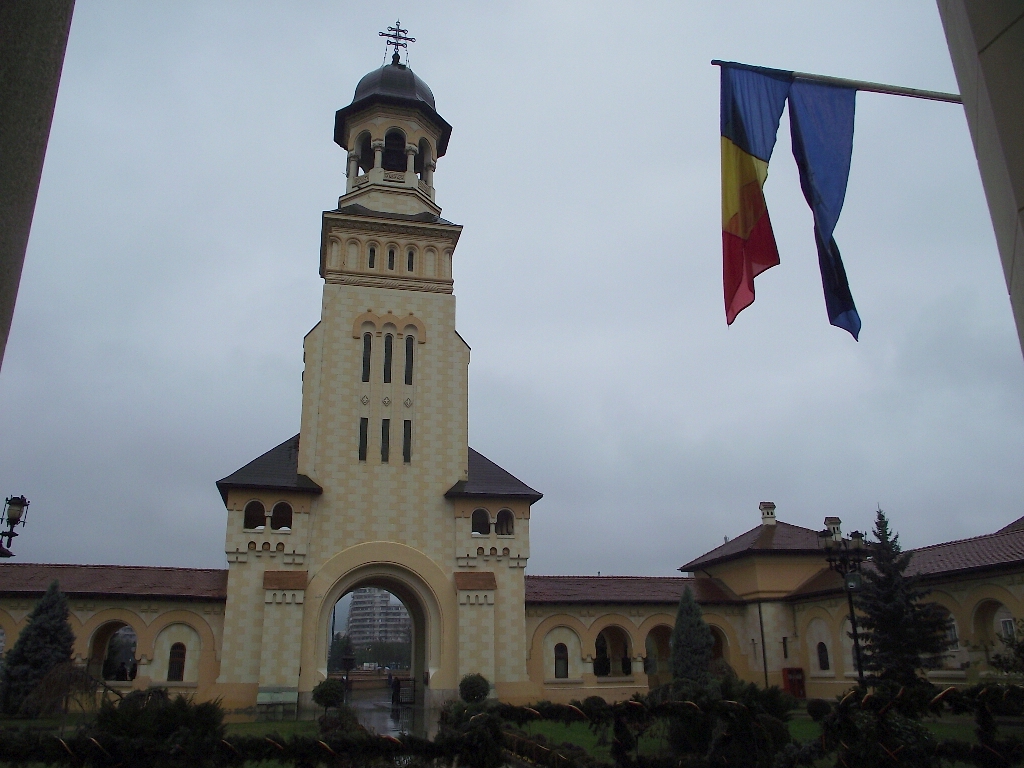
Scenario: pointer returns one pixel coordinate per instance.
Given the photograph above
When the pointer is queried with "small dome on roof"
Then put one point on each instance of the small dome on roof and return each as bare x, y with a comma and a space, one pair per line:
395, 81
395, 84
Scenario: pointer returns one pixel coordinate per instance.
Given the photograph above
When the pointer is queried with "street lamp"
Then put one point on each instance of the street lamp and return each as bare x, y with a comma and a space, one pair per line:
12, 516
845, 556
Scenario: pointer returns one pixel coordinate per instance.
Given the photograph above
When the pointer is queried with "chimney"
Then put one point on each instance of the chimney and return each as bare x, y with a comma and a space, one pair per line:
833, 524
767, 512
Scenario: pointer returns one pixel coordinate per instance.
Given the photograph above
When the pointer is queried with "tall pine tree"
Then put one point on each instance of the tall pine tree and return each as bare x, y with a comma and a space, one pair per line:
46, 641
901, 633
692, 642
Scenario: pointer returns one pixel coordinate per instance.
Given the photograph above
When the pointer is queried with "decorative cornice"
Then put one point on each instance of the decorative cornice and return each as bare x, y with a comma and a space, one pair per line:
359, 225
376, 281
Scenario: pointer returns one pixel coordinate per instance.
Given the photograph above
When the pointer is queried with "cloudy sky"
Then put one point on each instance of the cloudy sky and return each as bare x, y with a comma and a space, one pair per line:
172, 272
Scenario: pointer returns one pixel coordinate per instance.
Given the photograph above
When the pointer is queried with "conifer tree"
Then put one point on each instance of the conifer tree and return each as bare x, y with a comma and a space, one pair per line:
692, 642
901, 633
46, 642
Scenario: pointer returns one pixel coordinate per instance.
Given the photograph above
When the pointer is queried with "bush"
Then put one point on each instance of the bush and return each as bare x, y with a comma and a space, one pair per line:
818, 709
148, 724
340, 722
329, 693
474, 688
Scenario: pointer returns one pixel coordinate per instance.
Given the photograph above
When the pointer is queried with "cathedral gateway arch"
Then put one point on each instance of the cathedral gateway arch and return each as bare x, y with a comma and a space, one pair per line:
380, 487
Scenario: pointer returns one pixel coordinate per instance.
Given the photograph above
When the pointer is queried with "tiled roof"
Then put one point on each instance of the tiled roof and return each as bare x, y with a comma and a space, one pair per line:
1003, 548
781, 538
488, 479
102, 581
278, 468
623, 589
1016, 525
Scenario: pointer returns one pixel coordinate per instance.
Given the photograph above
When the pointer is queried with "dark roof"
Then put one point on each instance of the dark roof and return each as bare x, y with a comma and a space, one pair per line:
779, 539
277, 469
397, 84
488, 479
939, 561
624, 589
1016, 525
994, 550
102, 581
361, 210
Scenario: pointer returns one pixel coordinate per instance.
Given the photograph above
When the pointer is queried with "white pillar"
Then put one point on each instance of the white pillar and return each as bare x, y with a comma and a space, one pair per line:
411, 150
378, 152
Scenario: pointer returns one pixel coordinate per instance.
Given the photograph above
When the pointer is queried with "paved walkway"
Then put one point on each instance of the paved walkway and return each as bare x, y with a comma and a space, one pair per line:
375, 713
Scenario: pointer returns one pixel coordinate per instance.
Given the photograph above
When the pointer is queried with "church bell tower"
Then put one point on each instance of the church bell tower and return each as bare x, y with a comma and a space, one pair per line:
384, 489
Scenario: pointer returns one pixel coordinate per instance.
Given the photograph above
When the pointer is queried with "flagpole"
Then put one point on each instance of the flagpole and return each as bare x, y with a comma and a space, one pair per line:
860, 85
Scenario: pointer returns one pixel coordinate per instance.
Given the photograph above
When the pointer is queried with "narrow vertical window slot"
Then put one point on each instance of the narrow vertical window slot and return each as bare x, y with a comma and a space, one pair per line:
410, 262
389, 342
407, 441
391, 258
385, 440
371, 262
410, 344
364, 427
367, 343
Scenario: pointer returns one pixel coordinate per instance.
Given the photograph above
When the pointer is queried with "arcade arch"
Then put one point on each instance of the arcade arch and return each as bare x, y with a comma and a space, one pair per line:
658, 656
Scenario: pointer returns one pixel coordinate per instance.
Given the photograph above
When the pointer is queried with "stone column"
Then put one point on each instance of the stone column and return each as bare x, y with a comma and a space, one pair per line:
378, 152
411, 150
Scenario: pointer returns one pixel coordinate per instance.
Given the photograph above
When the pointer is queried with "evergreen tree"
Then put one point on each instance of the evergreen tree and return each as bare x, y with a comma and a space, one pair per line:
46, 642
341, 646
691, 642
901, 633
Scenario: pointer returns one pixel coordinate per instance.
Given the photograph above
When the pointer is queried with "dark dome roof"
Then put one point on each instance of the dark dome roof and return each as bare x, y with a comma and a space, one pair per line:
394, 81
396, 84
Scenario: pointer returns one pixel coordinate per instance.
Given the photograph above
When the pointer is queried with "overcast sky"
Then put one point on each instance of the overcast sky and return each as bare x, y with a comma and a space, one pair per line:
172, 273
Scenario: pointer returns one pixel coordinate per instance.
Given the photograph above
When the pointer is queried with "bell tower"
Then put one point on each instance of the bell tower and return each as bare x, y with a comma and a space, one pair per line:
382, 486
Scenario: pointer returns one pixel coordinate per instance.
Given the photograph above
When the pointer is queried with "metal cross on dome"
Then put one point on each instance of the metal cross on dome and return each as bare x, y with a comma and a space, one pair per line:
397, 37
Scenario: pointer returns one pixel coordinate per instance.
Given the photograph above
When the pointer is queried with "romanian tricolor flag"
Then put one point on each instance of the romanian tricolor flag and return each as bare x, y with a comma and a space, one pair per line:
821, 122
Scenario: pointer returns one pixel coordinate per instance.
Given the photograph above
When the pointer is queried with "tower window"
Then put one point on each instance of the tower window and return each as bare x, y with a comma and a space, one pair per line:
391, 258
785, 647
364, 425
389, 342
481, 522
371, 262
176, 663
281, 517
505, 524
410, 344
385, 440
407, 441
255, 515
561, 661
394, 151
367, 343
410, 262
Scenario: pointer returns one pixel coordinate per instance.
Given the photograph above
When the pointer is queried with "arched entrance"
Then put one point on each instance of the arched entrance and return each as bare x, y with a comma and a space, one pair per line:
419, 603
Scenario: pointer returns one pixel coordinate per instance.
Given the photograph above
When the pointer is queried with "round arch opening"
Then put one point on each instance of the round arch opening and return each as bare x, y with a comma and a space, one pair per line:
658, 656
407, 639
613, 657
112, 652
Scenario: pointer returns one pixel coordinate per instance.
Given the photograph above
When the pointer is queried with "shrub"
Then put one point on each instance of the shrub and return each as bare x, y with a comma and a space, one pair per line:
329, 693
473, 688
818, 709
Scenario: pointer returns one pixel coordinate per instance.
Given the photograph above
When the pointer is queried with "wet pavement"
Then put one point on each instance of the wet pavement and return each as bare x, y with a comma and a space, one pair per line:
375, 713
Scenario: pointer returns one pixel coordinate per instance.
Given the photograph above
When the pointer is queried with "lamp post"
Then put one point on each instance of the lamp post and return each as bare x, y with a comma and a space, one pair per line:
845, 556
13, 516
